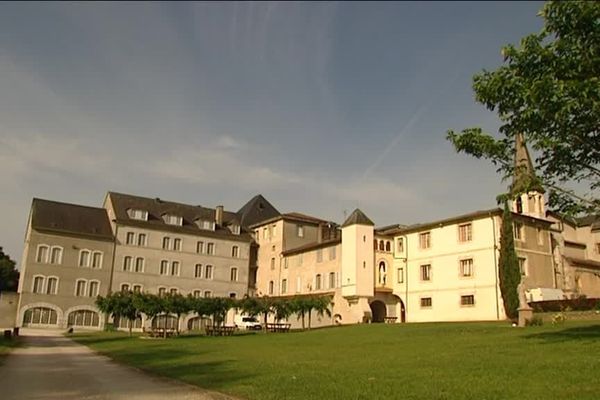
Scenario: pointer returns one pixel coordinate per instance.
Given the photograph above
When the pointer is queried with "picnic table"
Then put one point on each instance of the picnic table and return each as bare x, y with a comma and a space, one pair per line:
390, 320
275, 327
220, 330
160, 332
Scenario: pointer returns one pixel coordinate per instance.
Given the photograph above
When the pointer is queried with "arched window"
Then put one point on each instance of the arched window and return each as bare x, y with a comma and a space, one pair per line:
166, 243
56, 255
164, 321
38, 284
85, 318
127, 263
80, 285
234, 274
93, 288
519, 203
382, 273
375, 244
97, 259
84, 258
235, 252
124, 287
40, 316
388, 246
318, 282
52, 285
162, 291
164, 267
42, 254
381, 245
271, 287
139, 264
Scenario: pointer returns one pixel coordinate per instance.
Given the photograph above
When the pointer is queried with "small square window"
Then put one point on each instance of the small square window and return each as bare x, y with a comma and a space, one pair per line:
468, 300
426, 302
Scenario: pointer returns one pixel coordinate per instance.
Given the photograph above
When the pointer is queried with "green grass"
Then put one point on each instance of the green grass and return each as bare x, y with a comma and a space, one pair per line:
412, 361
6, 346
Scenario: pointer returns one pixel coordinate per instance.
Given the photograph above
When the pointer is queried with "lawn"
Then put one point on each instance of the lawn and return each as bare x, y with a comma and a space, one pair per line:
411, 361
6, 345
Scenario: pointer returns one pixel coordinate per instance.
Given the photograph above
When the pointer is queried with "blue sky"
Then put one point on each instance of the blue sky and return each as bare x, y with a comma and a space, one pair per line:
321, 107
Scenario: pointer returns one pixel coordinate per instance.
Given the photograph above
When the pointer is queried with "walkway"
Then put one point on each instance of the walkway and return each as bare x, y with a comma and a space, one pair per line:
50, 366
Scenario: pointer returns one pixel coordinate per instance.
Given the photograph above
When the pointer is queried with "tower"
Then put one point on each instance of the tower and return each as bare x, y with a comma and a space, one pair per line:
526, 187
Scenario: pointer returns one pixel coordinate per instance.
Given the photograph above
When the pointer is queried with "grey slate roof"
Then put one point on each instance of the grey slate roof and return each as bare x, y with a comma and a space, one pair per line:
65, 218
156, 208
258, 209
357, 218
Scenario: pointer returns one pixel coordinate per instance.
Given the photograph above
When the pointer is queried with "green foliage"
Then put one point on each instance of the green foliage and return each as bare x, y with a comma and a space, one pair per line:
9, 276
548, 89
121, 305
282, 308
508, 266
535, 321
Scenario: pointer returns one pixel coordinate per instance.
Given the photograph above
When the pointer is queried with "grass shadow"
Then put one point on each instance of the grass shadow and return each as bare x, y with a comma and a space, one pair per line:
580, 333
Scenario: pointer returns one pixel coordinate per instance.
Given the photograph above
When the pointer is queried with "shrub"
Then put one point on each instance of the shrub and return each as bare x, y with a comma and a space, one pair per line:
576, 304
558, 318
534, 321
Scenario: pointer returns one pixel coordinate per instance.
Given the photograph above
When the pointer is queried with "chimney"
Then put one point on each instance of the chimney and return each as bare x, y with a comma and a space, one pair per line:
219, 215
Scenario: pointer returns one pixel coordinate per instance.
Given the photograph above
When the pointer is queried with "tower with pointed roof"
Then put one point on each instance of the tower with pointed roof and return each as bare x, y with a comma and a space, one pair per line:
526, 188
357, 276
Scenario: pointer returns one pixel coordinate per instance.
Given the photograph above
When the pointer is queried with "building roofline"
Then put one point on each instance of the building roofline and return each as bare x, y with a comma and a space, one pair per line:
312, 246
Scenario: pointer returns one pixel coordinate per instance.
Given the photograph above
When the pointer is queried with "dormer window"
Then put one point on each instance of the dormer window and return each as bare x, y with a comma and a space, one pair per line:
173, 219
141, 215
206, 224
235, 229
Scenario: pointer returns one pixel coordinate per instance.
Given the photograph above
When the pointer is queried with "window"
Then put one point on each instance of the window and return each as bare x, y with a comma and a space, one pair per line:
283, 286
425, 240
125, 287
200, 247
210, 248
83, 318
272, 263
162, 291
466, 267
320, 255
332, 253
318, 282
137, 288
175, 268
234, 274
468, 300
173, 219
197, 293
332, 280
523, 265
265, 233
274, 230
38, 284
166, 243
207, 225
208, 272
208, 293
426, 272
139, 264
141, 239
400, 272
177, 244
139, 214
298, 285
271, 287
173, 291
56, 255
130, 238
96, 259
519, 204
198, 271
400, 245
300, 231
518, 231
84, 258
465, 232
127, 263
388, 246
235, 229
42, 254
232, 295
52, 286
235, 252
93, 288
164, 267
80, 288
426, 302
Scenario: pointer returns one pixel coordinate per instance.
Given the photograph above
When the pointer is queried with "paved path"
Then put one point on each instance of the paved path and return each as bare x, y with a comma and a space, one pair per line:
50, 366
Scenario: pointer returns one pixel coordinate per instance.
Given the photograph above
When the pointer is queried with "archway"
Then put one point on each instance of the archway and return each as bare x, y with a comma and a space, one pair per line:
378, 311
402, 310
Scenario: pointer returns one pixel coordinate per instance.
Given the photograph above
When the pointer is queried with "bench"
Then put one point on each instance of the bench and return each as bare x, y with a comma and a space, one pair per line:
220, 330
278, 327
160, 332
390, 320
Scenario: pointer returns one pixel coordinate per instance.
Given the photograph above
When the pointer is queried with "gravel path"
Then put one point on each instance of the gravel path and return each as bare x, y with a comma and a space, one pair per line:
50, 366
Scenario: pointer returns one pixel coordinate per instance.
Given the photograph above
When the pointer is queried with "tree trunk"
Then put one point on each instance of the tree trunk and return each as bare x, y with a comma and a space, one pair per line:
165, 328
309, 317
303, 325
265, 316
130, 327
177, 328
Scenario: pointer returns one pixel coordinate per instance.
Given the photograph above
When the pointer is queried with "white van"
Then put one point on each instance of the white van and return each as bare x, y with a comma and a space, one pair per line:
248, 323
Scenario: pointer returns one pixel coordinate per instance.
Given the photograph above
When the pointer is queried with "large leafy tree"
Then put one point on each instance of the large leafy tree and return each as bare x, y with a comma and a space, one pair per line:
9, 276
548, 90
120, 305
508, 265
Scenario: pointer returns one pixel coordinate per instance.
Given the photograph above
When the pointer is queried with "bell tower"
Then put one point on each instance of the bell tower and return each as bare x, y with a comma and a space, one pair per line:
526, 186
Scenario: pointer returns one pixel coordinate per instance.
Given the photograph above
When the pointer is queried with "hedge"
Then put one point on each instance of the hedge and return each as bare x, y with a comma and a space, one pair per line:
576, 304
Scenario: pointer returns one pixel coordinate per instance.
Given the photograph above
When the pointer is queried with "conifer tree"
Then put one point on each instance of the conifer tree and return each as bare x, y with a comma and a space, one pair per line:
508, 264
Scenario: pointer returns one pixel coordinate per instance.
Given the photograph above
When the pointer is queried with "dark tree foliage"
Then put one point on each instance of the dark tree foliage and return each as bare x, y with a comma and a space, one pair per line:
9, 276
548, 89
508, 265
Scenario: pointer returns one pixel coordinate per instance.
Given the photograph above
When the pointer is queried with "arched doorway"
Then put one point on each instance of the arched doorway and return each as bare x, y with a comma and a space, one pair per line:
84, 318
378, 311
402, 311
40, 316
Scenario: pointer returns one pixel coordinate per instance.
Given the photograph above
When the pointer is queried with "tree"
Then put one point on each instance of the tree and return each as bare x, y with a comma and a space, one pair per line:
150, 304
283, 308
548, 90
508, 265
9, 276
120, 304
177, 304
301, 305
218, 308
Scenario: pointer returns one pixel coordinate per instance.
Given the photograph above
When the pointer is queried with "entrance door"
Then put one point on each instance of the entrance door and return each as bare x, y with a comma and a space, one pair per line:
378, 310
